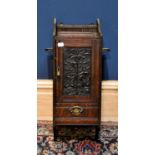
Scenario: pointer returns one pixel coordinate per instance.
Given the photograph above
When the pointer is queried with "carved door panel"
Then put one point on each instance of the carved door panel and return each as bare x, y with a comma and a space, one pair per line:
77, 81
76, 71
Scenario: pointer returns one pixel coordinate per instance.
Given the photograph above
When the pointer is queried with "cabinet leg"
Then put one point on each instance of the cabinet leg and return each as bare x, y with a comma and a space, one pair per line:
97, 132
55, 133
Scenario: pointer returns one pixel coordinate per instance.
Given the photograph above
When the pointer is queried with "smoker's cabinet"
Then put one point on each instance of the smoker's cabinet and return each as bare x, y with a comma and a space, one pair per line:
77, 55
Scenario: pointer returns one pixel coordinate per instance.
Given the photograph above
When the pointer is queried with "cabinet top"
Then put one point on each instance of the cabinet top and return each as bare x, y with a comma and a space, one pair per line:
65, 29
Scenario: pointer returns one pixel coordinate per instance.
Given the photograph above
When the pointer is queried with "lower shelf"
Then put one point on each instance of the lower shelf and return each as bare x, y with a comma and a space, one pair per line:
76, 132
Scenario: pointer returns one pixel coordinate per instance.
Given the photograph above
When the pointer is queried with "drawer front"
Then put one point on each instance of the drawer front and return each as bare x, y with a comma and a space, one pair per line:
76, 121
76, 111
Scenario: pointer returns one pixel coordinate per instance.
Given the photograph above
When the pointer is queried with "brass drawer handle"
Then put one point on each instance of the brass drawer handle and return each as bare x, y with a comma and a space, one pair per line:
76, 110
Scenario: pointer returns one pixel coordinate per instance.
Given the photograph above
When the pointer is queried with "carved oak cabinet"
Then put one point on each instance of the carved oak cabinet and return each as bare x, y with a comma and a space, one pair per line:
77, 53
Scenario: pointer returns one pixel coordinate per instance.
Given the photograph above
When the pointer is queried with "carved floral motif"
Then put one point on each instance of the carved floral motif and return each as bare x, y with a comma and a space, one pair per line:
76, 71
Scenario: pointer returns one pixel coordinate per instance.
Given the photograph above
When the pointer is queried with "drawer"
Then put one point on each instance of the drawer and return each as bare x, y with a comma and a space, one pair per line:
76, 111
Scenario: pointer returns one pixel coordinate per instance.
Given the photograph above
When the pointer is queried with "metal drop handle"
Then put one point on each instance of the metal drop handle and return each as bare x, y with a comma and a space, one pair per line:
76, 110
58, 71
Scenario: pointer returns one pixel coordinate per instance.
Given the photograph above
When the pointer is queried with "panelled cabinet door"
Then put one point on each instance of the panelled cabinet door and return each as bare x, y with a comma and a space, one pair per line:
78, 81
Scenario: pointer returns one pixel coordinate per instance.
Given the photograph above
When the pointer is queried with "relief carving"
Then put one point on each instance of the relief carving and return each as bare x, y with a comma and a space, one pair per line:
77, 68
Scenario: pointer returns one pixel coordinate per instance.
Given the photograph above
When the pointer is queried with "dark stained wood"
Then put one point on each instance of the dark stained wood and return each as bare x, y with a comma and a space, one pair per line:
77, 121
87, 112
77, 36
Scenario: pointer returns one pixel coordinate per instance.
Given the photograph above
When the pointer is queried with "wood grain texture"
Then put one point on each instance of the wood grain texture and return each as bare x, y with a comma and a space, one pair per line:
109, 106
